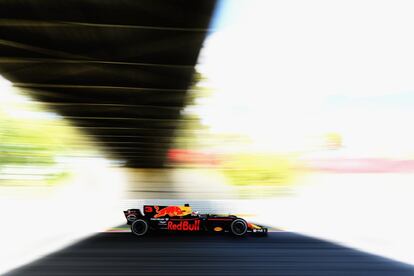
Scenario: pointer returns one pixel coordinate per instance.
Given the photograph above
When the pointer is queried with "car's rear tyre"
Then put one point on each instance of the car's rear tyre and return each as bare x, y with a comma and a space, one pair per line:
140, 227
238, 227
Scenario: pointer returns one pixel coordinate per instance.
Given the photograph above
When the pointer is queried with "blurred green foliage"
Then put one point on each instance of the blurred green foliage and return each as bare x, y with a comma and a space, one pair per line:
241, 166
30, 141
258, 169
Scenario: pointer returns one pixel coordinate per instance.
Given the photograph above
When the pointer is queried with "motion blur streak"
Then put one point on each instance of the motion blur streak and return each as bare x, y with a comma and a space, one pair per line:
304, 107
281, 253
299, 119
54, 187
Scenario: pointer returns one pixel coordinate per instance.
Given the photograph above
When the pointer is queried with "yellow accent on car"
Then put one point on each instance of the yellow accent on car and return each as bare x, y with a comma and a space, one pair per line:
218, 229
254, 226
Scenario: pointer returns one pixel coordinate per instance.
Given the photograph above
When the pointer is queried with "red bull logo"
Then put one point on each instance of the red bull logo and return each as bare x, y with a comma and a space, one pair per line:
172, 211
184, 226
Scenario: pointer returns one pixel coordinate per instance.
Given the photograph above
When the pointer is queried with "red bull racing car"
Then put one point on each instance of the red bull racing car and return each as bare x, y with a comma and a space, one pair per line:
183, 219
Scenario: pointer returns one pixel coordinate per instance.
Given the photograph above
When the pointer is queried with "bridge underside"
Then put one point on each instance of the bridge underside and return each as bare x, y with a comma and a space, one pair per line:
120, 70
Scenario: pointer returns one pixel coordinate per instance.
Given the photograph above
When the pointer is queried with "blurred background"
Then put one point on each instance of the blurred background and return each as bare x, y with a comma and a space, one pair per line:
294, 114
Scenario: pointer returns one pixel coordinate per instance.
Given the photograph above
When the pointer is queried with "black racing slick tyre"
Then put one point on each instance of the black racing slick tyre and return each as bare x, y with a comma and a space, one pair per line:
140, 227
238, 227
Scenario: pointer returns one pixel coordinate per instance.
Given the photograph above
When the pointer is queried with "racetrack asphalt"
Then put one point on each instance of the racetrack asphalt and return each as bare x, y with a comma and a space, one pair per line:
280, 253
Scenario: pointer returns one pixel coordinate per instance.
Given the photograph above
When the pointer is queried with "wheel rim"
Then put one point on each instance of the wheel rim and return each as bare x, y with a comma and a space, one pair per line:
140, 227
239, 227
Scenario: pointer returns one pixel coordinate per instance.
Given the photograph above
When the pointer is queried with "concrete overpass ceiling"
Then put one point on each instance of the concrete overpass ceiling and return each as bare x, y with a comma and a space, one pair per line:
120, 70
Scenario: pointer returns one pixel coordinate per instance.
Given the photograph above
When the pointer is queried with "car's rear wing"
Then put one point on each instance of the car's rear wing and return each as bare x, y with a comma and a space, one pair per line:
132, 214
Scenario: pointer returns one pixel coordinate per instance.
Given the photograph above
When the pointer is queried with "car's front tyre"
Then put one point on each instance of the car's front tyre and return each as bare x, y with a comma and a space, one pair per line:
140, 227
238, 227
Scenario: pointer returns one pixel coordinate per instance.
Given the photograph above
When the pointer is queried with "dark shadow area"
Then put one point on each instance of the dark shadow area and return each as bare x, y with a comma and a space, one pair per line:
281, 253
120, 70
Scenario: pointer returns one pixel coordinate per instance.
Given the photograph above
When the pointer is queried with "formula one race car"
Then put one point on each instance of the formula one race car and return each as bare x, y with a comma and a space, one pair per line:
182, 218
